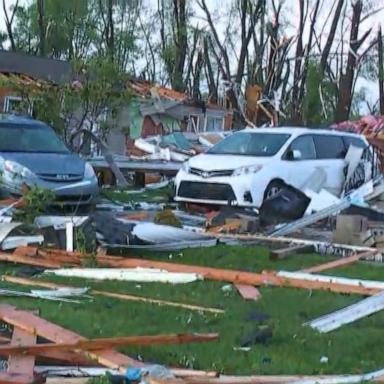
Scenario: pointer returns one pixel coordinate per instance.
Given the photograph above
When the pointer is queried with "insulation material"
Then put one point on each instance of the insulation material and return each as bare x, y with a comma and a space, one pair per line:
162, 234
140, 275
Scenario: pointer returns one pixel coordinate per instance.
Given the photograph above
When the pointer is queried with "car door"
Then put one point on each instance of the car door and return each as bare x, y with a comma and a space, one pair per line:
296, 171
330, 154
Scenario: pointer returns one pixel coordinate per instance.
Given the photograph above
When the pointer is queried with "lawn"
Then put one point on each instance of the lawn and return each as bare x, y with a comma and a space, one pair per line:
162, 195
290, 349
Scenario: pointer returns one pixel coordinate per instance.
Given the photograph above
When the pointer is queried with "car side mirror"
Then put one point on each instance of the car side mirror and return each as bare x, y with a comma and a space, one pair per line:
294, 154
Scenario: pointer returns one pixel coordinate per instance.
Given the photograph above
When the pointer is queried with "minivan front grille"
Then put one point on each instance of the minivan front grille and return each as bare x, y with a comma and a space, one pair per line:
207, 174
60, 178
206, 191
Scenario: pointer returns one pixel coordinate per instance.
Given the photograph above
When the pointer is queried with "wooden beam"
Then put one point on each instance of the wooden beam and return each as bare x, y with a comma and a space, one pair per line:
120, 296
36, 325
248, 278
283, 253
107, 343
18, 378
38, 262
340, 262
18, 363
108, 357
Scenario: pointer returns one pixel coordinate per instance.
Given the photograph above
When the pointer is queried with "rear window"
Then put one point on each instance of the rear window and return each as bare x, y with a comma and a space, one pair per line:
329, 147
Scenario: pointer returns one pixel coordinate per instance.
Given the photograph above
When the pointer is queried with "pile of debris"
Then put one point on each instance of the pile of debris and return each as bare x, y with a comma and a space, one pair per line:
178, 146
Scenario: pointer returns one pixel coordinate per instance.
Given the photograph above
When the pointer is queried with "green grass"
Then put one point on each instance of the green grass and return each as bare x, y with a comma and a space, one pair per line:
163, 195
292, 349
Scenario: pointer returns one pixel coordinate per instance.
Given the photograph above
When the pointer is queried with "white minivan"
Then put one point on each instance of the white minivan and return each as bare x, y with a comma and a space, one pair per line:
253, 164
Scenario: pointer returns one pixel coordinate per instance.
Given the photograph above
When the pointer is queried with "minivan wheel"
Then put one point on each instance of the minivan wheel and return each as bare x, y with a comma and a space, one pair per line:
273, 188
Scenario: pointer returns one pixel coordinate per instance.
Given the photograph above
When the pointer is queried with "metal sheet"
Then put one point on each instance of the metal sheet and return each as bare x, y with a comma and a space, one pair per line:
6, 229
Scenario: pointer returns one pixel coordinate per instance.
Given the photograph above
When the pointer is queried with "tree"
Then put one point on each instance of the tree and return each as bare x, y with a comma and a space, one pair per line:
174, 40
346, 84
9, 22
381, 70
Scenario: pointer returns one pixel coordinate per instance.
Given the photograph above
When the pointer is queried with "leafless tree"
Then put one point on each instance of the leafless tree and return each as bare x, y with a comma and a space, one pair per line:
9, 22
381, 70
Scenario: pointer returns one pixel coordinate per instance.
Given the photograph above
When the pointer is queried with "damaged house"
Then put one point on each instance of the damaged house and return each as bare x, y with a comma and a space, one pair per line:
156, 110
19, 71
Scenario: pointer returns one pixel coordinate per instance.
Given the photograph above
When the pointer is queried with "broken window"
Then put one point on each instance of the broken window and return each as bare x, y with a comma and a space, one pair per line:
15, 104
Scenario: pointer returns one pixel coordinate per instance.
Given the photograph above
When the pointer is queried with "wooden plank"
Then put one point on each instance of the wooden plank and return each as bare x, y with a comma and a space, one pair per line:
340, 262
36, 325
17, 378
283, 253
13, 258
18, 363
247, 278
64, 380
19, 347
120, 296
108, 357
248, 292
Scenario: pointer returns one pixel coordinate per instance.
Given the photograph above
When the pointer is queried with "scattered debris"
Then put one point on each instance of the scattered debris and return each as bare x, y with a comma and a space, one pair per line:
248, 292
289, 251
349, 314
114, 295
287, 205
144, 275
60, 294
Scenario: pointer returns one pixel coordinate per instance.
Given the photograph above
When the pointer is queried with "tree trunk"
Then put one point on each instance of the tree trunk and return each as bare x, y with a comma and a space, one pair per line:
381, 70
331, 37
9, 22
181, 45
213, 97
296, 102
345, 93
41, 23
111, 36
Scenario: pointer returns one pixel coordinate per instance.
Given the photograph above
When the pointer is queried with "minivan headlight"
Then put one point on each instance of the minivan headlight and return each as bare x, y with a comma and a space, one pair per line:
17, 170
247, 170
185, 167
89, 172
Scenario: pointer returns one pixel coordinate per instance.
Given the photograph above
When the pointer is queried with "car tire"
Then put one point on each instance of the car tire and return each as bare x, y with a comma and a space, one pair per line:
273, 188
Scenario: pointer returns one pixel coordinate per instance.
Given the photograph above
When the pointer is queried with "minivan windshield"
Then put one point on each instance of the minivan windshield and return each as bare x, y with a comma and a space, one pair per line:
250, 144
33, 138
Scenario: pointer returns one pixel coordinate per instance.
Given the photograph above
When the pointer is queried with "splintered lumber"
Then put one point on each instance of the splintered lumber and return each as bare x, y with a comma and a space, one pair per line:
120, 296
349, 314
318, 245
57, 334
14, 258
106, 343
19, 378
63, 380
376, 376
340, 262
36, 325
282, 253
257, 279
248, 292
18, 363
